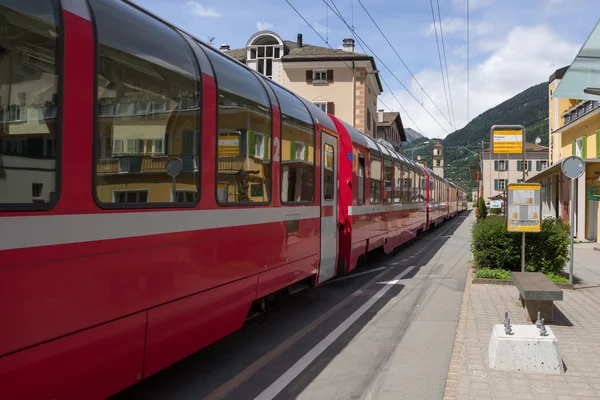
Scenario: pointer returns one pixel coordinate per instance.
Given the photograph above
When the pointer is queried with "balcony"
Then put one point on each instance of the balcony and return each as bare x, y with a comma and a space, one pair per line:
144, 164
579, 110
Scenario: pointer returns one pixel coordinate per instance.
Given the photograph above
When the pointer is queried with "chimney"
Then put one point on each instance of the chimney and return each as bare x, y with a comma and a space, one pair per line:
299, 40
379, 116
349, 45
224, 47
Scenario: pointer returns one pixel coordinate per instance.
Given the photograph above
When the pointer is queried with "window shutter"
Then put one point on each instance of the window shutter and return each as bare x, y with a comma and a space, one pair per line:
330, 75
573, 147
538, 165
331, 108
506, 184
251, 143
243, 141
584, 147
267, 147
306, 148
495, 165
309, 76
495, 184
519, 165
598, 143
292, 150
528, 165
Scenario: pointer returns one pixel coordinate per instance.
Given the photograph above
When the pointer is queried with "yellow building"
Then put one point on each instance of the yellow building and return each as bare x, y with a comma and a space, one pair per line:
574, 121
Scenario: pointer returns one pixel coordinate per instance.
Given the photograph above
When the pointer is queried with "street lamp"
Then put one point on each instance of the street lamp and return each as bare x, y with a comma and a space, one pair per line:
413, 150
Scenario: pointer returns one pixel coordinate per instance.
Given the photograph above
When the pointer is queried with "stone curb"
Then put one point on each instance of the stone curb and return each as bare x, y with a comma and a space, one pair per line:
451, 386
510, 283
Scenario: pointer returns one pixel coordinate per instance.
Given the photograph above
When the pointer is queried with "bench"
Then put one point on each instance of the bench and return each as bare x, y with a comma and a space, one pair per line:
537, 293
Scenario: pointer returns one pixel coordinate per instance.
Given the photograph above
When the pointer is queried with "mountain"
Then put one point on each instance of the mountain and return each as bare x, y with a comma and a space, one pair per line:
411, 135
528, 108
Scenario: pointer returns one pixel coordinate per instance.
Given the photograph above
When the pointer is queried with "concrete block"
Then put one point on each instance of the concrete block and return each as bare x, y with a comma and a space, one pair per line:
525, 350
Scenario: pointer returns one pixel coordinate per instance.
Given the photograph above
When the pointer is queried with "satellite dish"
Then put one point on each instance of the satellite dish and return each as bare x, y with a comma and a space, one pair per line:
538, 140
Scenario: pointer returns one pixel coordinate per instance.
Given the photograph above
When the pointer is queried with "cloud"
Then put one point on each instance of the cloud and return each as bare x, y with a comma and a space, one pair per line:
473, 4
459, 25
262, 26
198, 10
320, 28
527, 56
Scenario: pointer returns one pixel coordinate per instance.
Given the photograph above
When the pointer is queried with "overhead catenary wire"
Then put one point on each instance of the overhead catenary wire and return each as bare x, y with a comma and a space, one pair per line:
468, 67
445, 62
402, 61
437, 42
360, 40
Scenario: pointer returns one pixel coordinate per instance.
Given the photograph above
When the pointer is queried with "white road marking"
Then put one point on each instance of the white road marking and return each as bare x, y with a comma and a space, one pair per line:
353, 275
276, 387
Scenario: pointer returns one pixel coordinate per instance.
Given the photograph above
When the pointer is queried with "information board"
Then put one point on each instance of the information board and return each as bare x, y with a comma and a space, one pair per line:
524, 207
507, 141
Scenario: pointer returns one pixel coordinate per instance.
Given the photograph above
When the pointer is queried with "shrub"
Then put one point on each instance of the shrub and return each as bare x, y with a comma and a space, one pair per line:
493, 247
488, 273
495, 211
482, 209
557, 278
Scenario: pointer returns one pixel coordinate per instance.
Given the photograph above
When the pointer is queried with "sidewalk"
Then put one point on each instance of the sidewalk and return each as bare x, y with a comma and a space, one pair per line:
577, 327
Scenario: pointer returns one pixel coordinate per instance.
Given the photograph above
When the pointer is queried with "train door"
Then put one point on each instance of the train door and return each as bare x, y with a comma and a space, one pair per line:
329, 209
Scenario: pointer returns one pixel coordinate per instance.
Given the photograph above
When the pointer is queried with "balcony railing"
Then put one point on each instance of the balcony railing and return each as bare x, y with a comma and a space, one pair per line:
579, 110
142, 164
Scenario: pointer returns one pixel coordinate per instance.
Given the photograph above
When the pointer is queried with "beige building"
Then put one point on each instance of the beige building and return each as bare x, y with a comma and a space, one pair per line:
390, 129
501, 169
319, 74
438, 159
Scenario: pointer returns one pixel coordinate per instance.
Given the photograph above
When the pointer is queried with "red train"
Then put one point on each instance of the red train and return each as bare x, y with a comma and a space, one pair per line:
155, 193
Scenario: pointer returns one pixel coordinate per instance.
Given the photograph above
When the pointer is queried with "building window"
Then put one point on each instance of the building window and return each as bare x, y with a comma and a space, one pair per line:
388, 179
368, 119
375, 175
542, 165
502, 165
29, 77
244, 136
361, 179
265, 49
299, 151
137, 81
438, 163
319, 75
328, 172
321, 104
186, 196
130, 196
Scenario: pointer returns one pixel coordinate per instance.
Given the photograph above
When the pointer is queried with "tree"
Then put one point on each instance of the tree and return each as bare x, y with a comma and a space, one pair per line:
482, 208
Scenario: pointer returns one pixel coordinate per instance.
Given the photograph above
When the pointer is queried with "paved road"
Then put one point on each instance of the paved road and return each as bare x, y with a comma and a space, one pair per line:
586, 265
385, 332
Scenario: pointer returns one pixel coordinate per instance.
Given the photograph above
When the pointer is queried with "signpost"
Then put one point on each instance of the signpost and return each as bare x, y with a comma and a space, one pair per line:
573, 167
510, 139
174, 167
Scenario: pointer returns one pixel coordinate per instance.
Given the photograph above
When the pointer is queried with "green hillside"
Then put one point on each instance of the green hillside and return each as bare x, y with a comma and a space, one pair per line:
528, 108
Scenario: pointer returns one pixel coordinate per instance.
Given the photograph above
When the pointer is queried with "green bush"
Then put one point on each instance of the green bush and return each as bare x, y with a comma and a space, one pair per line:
557, 278
495, 211
487, 273
482, 209
547, 251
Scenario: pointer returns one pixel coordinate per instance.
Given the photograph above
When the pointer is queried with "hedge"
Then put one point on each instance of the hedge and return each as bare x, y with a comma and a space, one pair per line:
495, 248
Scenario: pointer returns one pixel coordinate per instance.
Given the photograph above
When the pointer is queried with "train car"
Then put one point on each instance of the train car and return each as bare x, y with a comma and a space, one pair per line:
154, 193
436, 198
463, 204
382, 201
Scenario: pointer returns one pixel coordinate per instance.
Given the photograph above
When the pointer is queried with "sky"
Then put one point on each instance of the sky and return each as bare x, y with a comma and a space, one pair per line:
514, 44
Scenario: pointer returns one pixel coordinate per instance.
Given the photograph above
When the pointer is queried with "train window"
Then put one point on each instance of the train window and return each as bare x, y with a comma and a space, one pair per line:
397, 183
375, 175
415, 188
148, 110
28, 104
244, 139
328, 172
297, 149
407, 184
388, 179
361, 179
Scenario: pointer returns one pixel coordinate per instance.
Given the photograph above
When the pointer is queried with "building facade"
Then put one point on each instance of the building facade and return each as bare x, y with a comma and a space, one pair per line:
574, 130
438, 159
501, 169
341, 81
390, 129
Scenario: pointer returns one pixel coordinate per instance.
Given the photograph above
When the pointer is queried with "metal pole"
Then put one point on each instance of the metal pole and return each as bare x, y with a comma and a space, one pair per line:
174, 190
572, 219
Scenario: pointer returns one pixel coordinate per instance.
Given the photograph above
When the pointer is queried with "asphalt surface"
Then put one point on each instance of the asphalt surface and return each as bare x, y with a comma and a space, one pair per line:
384, 332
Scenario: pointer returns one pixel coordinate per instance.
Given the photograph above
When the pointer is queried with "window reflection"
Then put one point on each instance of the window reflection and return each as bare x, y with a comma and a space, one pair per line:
148, 108
398, 183
387, 179
328, 172
28, 102
375, 180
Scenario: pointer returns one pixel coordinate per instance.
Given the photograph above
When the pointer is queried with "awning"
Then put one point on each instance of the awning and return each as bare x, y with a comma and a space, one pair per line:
555, 169
582, 79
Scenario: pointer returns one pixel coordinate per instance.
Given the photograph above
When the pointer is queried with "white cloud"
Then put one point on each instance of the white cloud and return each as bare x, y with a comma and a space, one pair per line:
262, 26
198, 10
459, 25
320, 28
473, 4
527, 56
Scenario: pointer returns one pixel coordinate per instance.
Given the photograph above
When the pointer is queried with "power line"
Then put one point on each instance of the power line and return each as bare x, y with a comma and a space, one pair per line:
359, 39
445, 61
437, 42
339, 14
402, 61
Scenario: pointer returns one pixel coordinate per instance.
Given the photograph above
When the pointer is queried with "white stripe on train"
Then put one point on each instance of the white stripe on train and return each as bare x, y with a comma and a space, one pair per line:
46, 230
